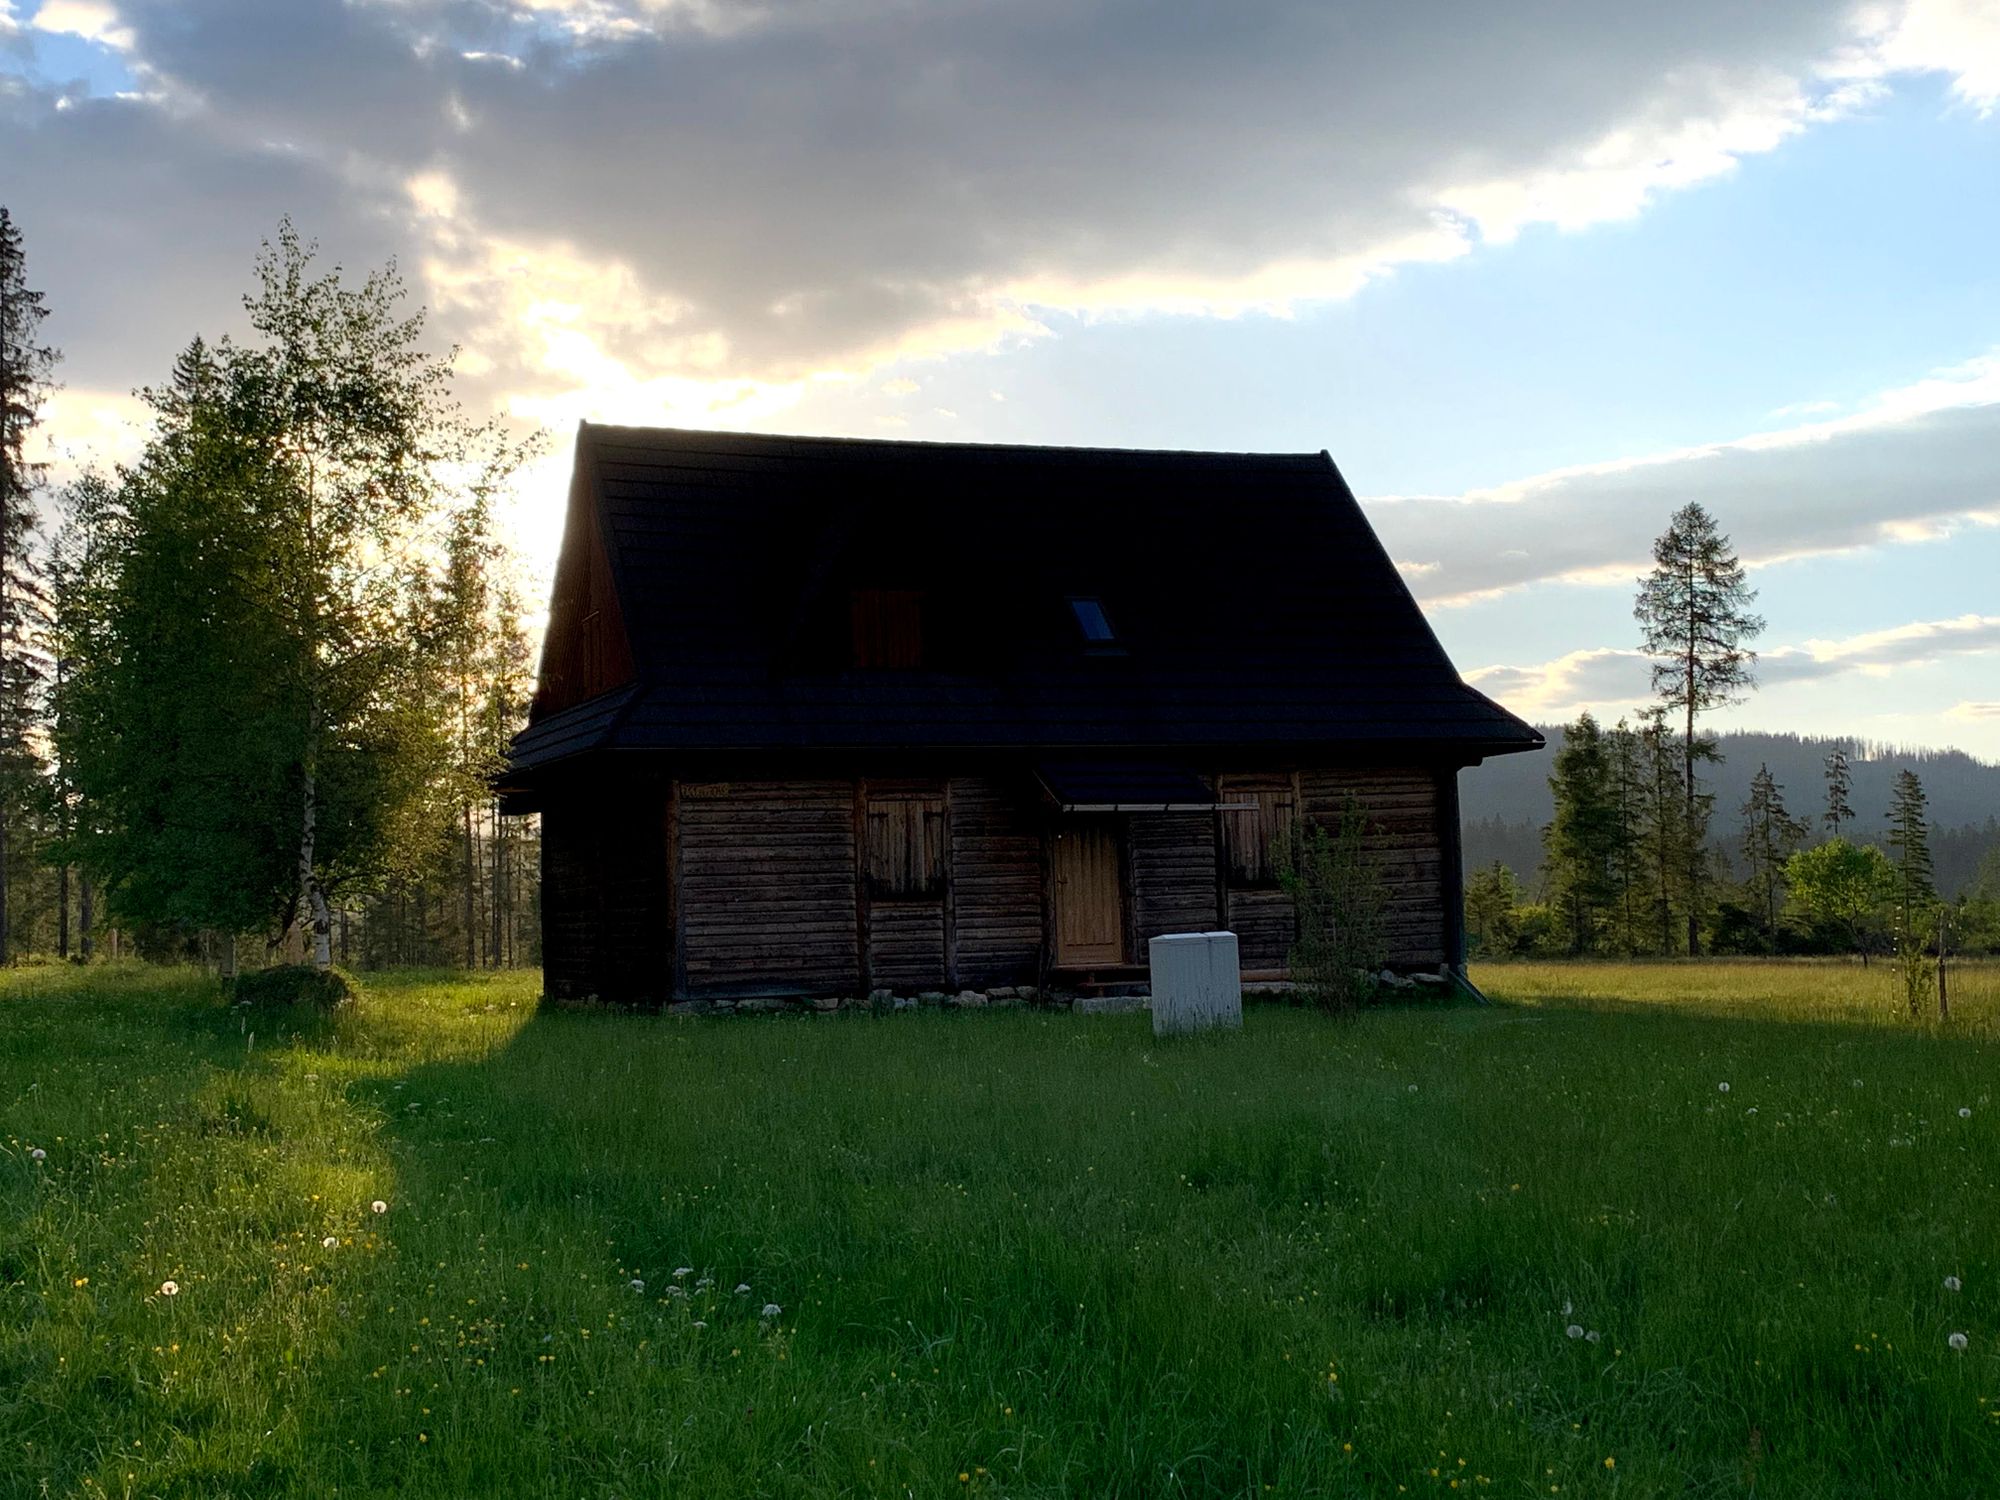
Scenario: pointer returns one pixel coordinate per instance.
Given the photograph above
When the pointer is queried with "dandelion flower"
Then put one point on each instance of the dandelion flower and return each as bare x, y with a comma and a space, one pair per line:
1575, 1330
329, 1242
1964, 1113
1957, 1341
636, 1284
378, 1206
1952, 1283
173, 1289
1722, 1088
772, 1310
742, 1288
38, 1154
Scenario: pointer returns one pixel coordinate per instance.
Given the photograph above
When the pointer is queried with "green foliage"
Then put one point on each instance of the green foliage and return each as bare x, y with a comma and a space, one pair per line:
263, 726
995, 1238
1492, 903
293, 985
1842, 887
1338, 901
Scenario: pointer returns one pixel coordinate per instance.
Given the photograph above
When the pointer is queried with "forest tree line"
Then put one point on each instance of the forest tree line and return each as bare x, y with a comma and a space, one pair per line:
1633, 862
256, 683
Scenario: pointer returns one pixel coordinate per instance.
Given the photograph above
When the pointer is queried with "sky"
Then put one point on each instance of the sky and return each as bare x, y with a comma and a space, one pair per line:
1535, 275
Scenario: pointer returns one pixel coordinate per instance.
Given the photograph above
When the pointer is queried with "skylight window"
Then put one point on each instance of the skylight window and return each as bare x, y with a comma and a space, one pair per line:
1092, 621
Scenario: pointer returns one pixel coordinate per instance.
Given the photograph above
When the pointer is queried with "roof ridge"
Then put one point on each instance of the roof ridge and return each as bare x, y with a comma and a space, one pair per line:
774, 439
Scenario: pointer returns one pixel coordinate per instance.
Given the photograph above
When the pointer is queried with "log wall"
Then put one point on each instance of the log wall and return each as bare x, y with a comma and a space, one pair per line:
1172, 860
768, 896
997, 878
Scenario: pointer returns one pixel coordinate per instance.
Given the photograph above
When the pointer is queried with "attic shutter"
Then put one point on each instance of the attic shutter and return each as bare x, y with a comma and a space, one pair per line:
1250, 835
888, 628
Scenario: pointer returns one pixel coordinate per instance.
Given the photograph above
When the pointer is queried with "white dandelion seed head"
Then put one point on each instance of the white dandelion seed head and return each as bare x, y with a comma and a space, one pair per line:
1964, 1113
1567, 1309
1953, 1284
1751, 1110
636, 1284
1413, 1088
742, 1288
680, 1271
772, 1310
1575, 1330
1722, 1088
1592, 1337
38, 1154
378, 1206
1958, 1341
698, 1323
170, 1289
329, 1242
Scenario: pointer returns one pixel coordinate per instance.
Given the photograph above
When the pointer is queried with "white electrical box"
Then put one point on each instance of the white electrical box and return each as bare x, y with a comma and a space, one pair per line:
1197, 980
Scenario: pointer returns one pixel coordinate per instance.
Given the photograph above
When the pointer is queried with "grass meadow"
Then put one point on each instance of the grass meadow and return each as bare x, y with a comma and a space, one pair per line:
1530, 1249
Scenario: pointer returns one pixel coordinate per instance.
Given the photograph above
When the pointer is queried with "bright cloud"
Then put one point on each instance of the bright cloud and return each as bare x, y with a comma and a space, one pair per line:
1613, 682
1918, 462
829, 188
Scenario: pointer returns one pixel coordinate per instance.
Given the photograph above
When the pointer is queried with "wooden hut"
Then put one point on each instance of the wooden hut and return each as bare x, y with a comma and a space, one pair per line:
821, 716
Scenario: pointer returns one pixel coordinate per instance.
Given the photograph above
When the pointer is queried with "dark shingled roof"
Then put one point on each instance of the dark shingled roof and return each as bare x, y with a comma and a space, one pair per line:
1251, 600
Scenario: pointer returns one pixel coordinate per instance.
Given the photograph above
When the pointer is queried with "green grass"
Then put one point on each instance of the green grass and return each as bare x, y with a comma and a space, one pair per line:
1040, 1252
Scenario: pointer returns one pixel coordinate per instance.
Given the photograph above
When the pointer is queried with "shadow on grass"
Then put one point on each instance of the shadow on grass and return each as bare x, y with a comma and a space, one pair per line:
1063, 1216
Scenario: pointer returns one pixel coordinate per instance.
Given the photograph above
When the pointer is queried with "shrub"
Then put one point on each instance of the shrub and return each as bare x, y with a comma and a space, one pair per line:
293, 985
1338, 900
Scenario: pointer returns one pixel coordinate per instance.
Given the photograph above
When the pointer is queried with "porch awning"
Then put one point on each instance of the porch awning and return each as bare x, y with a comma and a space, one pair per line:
1101, 786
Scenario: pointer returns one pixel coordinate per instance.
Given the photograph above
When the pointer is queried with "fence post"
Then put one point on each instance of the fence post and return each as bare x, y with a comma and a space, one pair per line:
1944, 1005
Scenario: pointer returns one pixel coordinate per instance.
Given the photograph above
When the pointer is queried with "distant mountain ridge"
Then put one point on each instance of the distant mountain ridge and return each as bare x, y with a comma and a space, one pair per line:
1506, 802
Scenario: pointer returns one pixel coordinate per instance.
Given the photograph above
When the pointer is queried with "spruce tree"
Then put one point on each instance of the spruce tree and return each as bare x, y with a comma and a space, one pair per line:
1694, 613
27, 366
1581, 841
1839, 786
1770, 837
1916, 890
1663, 825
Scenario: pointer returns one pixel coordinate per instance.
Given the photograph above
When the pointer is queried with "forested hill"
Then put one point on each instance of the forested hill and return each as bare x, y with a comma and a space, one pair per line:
1506, 801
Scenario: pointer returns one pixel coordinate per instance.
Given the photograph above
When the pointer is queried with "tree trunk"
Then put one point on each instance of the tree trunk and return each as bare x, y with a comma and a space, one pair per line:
85, 904
496, 938
1694, 844
315, 894
62, 911
228, 955
471, 893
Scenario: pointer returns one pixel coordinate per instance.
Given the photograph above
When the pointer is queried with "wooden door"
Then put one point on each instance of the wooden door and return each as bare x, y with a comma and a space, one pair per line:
1089, 896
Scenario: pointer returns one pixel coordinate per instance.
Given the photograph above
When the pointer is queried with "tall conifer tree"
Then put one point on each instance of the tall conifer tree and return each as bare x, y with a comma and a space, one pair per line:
27, 367
1694, 613
1839, 787
1770, 837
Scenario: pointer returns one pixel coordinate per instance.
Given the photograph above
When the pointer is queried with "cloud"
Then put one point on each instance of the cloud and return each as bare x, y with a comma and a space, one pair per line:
827, 187
1919, 462
1613, 682
1974, 711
